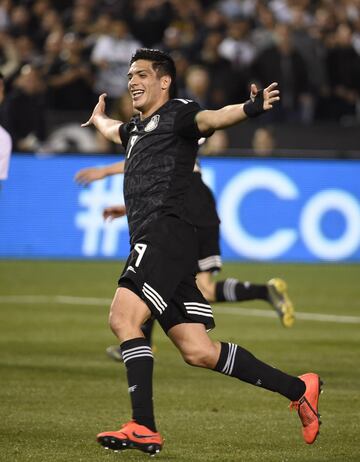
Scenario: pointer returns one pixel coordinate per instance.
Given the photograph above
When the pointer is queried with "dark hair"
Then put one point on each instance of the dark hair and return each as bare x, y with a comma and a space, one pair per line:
162, 63
1, 76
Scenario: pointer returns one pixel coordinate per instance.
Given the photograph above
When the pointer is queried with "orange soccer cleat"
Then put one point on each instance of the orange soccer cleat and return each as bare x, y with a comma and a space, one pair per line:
132, 436
307, 407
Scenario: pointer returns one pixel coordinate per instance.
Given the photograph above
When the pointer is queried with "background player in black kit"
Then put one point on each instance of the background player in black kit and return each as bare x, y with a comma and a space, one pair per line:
159, 277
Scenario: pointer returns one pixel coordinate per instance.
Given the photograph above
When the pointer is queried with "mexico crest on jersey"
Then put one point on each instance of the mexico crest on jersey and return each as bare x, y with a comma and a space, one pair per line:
154, 122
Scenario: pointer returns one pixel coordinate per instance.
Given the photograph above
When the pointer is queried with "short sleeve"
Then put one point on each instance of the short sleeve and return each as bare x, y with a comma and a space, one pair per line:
124, 133
185, 124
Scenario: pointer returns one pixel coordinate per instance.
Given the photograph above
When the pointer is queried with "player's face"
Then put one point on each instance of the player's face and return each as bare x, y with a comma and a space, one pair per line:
145, 87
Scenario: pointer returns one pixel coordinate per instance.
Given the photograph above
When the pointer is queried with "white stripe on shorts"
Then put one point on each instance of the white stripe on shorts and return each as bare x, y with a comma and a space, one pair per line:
153, 300
156, 295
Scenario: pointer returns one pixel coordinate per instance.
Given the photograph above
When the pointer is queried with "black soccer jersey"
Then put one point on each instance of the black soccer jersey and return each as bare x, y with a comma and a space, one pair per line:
159, 159
200, 203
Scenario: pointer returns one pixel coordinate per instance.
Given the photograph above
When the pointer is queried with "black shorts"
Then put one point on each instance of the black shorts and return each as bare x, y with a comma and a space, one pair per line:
209, 258
161, 270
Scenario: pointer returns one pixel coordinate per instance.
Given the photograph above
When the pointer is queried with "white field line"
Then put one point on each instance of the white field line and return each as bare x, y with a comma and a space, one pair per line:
235, 310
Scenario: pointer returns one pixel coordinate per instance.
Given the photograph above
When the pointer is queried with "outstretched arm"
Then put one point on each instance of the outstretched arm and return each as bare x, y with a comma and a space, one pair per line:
260, 101
106, 126
90, 174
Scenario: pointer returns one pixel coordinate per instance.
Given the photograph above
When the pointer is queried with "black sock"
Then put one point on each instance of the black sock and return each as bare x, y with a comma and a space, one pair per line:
147, 329
240, 363
139, 361
232, 290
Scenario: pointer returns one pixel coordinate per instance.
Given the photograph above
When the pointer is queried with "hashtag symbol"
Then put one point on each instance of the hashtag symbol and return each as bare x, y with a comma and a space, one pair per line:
100, 237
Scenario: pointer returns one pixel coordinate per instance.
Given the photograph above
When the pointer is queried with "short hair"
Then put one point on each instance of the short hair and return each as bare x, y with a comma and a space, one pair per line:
162, 63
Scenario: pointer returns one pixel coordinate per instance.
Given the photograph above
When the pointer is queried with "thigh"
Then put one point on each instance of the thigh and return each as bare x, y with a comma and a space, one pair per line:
126, 305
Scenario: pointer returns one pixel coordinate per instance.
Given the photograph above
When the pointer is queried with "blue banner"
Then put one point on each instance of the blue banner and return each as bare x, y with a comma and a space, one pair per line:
271, 209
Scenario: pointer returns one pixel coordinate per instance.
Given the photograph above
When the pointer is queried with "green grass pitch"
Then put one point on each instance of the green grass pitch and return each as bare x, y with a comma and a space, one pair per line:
58, 389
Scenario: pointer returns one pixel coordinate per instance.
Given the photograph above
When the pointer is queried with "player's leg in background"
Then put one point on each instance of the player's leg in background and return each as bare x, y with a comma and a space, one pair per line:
233, 290
230, 359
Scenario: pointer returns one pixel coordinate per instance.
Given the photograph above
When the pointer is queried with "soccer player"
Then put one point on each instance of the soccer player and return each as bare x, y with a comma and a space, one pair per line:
201, 212
158, 278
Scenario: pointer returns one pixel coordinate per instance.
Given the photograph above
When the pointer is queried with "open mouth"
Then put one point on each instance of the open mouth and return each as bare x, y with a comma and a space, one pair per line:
136, 94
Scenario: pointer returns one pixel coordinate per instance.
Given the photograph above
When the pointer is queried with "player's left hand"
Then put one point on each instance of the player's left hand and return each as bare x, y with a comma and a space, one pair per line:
88, 175
270, 95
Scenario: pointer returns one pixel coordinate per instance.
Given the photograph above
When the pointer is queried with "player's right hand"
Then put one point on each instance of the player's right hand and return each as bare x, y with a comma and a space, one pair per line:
99, 109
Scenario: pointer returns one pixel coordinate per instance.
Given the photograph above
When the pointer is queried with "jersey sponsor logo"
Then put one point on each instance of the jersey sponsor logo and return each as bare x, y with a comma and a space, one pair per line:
131, 268
154, 122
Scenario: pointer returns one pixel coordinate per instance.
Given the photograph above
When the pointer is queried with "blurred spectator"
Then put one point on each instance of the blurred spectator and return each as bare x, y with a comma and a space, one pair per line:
20, 21
111, 56
236, 8
23, 111
263, 142
311, 47
68, 75
308, 43
344, 73
182, 64
5, 9
26, 49
71, 138
237, 46
148, 19
197, 85
216, 144
5, 141
283, 64
263, 35
80, 21
48, 23
9, 56
225, 83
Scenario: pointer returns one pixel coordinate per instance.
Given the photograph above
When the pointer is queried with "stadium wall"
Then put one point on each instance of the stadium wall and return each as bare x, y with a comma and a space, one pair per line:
271, 209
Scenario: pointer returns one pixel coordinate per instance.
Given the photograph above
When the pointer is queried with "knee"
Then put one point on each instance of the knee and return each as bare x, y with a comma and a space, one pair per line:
119, 321
201, 357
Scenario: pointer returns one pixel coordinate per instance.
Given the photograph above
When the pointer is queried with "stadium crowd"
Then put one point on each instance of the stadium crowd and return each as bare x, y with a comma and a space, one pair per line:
57, 56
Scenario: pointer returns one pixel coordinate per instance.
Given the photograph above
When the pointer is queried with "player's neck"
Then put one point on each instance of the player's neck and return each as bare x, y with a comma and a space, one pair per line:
148, 112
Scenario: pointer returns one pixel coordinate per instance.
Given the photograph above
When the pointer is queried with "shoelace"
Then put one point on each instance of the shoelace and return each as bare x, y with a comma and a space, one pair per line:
305, 411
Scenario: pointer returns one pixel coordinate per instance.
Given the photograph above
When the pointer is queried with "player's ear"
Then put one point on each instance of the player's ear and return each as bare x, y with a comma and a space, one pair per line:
165, 82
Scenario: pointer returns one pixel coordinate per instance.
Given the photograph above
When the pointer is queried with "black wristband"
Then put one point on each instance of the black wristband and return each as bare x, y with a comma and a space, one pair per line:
255, 107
